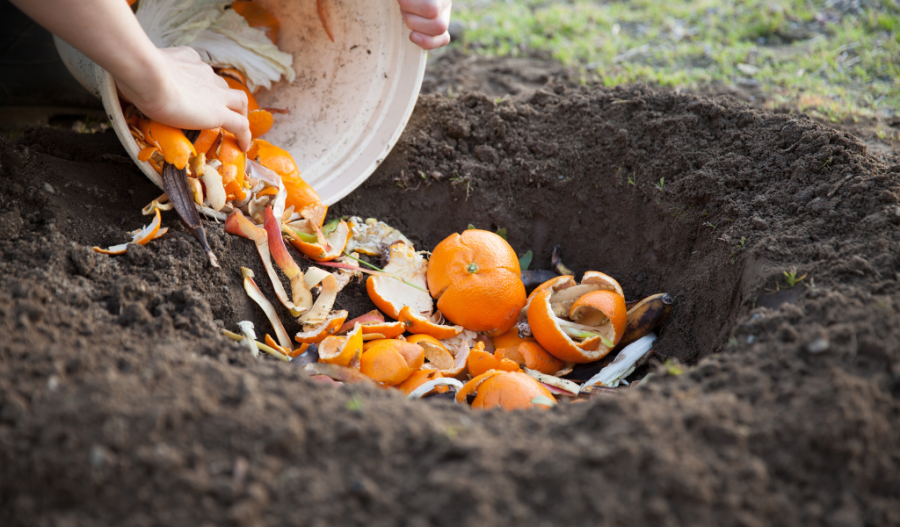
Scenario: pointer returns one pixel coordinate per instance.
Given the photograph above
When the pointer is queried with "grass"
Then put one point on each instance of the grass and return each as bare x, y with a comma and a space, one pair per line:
833, 63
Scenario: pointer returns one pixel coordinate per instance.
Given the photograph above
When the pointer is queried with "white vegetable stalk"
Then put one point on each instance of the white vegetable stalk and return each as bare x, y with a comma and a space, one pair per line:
222, 37
624, 364
250, 336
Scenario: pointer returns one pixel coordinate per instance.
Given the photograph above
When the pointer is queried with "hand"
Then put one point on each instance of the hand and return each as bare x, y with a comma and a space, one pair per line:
428, 20
183, 91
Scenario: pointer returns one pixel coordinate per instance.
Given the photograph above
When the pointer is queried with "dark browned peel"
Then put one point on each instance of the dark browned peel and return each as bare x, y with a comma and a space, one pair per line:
176, 186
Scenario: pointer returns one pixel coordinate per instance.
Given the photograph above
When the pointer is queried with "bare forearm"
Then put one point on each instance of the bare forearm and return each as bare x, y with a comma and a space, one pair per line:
104, 30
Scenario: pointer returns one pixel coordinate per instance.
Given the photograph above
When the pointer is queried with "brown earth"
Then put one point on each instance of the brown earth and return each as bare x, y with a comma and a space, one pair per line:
120, 404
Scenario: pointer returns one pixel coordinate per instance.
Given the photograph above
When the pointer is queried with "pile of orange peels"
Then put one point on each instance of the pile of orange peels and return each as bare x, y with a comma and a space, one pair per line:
458, 320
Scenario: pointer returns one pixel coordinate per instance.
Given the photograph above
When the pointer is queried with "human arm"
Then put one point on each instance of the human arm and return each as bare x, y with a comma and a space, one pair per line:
428, 20
172, 86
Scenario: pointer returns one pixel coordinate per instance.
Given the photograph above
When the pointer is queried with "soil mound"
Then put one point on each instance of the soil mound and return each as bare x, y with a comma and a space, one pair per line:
767, 404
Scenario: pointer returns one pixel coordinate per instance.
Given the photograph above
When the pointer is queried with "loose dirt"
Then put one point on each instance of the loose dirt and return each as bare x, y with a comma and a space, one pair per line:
765, 404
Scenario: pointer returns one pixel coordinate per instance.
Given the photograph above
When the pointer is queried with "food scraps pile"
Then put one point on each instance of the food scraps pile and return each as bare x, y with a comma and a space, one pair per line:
459, 321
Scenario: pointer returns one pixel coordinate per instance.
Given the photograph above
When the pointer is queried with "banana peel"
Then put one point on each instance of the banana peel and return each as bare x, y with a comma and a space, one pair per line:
645, 316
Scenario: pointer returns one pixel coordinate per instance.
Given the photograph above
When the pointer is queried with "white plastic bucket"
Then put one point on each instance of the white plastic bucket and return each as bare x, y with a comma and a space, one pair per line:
349, 103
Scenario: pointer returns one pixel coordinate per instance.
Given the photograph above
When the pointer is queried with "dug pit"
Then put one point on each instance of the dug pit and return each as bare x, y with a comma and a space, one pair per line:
769, 403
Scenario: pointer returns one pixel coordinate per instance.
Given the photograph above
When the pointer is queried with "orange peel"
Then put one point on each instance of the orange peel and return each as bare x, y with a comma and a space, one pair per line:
531, 355
481, 361
566, 291
274, 345
171, 142
507, 390
333, 247
390, 295
343, 351
418, 378
416, 323
439, 357
391, 361
261, 122
603, 308
326, 328
258, 18
206, 139
140, 237
373, 324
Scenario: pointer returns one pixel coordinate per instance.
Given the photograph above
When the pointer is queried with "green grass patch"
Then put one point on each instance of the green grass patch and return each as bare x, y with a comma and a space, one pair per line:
799, 52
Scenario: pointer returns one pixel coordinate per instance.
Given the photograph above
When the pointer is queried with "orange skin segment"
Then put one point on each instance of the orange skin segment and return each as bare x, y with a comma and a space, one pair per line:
206, 139
145, 153
315, 251
261, 122
235, 84
151, 234
510, 391
232, 188
229, 154
607, 302
415, 339
416, 323
258, 18
418, 378
327, 330
510, 339
171, 141
533, 357
268, 191
390, 330
482, 362
233, 73
556, 342
391, 361
371, 344
299, 193
472, 385
350, 349
475, 278
272, 344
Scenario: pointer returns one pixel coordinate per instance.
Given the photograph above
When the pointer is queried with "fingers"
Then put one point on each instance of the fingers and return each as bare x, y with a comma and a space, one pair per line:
424, 8
240, 127
236, 101
431, 27
222, 83
429, 42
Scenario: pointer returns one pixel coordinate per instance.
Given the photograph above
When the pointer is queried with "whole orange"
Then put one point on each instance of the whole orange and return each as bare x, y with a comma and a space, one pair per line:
476, 280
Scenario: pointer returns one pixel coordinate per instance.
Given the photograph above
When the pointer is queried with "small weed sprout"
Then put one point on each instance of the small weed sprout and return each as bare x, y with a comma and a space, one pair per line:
355, 403
792, 279
632, 179
662, 184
